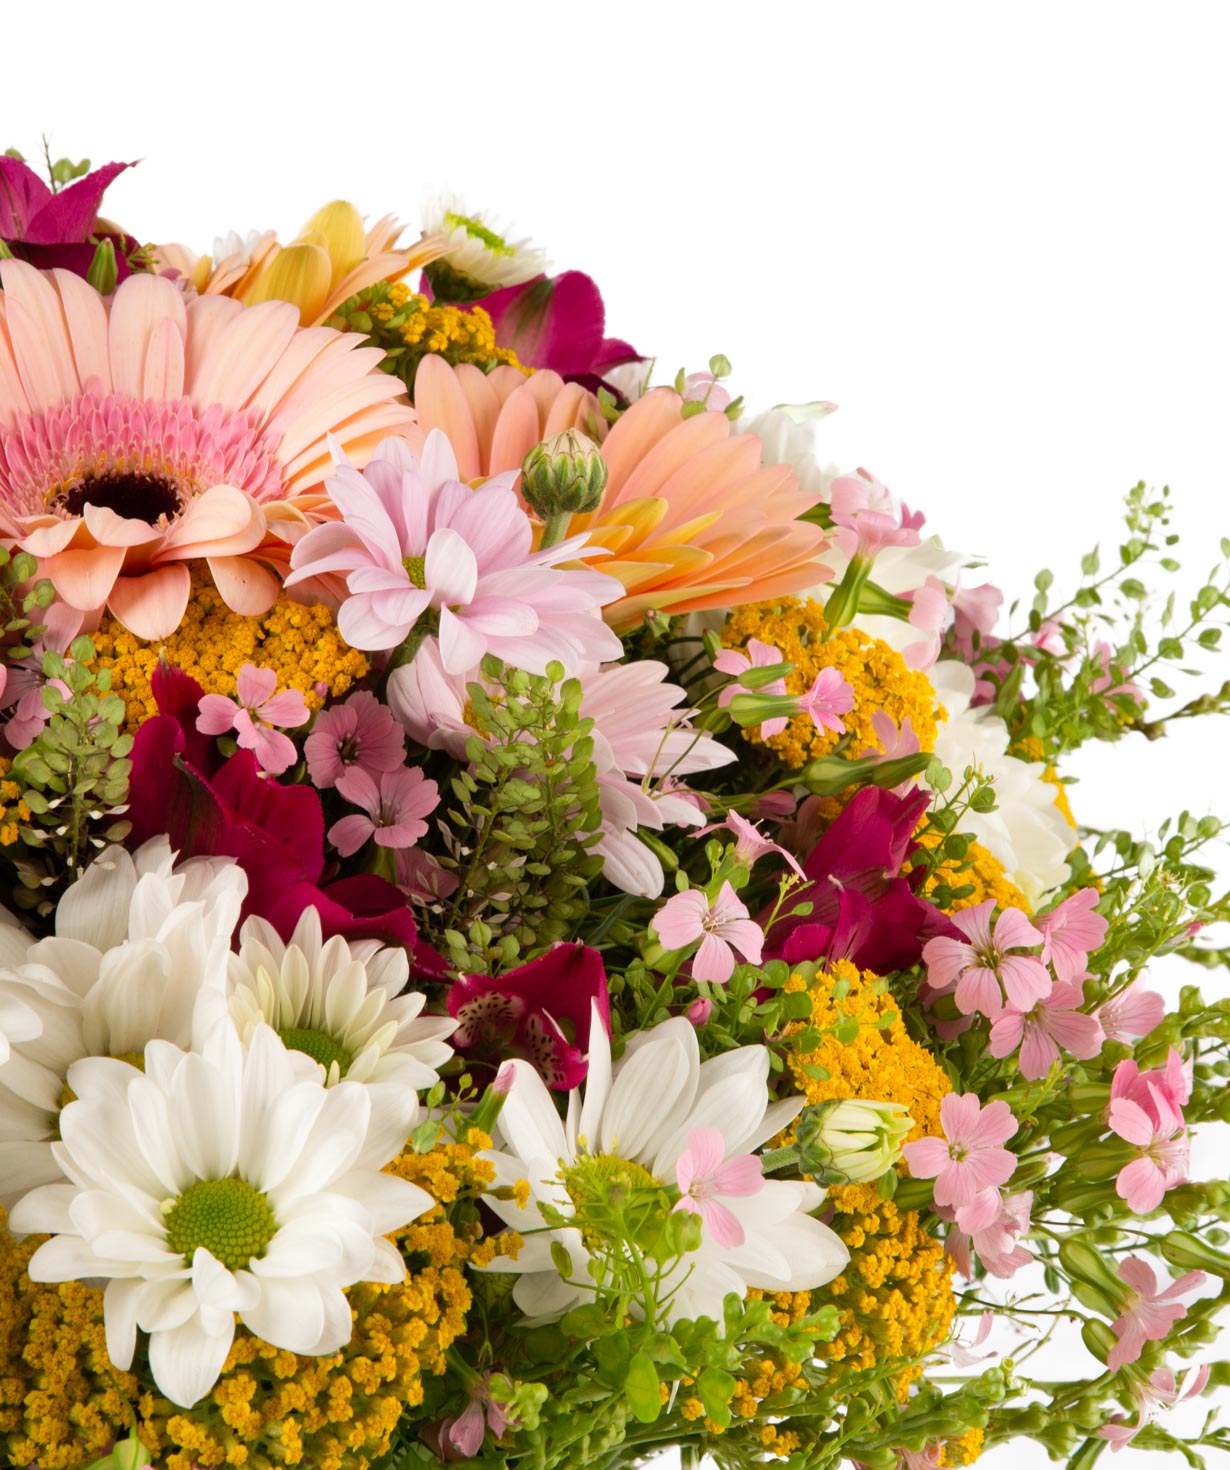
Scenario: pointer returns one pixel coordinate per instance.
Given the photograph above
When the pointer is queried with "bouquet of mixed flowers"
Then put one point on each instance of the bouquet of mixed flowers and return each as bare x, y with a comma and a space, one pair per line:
538, 923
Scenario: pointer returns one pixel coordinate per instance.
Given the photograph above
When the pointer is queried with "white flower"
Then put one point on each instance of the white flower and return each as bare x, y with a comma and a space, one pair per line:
218, 1183
1026, 833
642, 1113
477, 250
137, 940
234, 249
339, 1003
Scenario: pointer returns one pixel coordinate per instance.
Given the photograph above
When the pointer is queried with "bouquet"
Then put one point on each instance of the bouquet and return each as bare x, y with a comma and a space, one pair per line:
540, 924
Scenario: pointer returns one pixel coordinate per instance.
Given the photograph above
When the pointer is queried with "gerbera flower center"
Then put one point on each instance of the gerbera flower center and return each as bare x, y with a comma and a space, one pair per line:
318, 1045
229, 1217
136, 497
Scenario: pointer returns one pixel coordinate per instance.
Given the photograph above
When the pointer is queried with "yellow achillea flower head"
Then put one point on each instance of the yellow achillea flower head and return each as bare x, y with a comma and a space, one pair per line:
972, 880
300, 642
13, 809
876, 673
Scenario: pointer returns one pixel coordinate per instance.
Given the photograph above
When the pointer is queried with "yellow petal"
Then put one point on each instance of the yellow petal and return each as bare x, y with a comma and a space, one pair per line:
299, 274
339, 228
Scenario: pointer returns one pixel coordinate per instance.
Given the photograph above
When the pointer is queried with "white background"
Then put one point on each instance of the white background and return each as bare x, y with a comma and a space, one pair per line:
996, 235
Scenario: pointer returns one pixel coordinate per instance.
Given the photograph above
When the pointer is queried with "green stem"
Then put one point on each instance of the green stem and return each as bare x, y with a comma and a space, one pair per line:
555, 529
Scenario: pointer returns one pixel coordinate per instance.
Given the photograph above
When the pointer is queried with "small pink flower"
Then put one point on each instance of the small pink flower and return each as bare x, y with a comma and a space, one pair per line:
1071, 933
734, 661
751, 845
969, 1163
704, 388
253, 713
829, 697
976, 610
395, 809
699, 1011
1148, 1314
1056, 1022
1132, 1013
897, 743
864, 518
722, 927
467, 1432
1161, 1392
1146, 1111
977, 966
360, 733
704, 1175
996, 1244
929, 614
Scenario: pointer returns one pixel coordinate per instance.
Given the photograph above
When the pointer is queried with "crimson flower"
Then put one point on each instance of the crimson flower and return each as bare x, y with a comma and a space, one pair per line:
48, 229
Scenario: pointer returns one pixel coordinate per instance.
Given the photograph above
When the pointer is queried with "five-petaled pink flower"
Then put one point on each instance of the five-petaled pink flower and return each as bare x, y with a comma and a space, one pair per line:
1148, 1314
395, 809
751, 844
996, 1244
1160, 1392
359, 734
976, 967
865, 520
253, 713
1055, 1023
829, 697
1132, 1013
1146, 1110
1071, 933
704, 1175
734, 661
725, 923
969, 1163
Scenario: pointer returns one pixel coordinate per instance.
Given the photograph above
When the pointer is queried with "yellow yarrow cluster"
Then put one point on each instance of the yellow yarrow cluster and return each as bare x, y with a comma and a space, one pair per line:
456, 333
300, 642
61, 1401
876, 673
979, 871
895, 1296
963, 1450
13, 809
882, 1063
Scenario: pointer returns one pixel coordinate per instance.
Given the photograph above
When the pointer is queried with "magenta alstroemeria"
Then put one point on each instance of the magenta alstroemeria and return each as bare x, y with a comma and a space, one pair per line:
254, 714
395, 804
540, 1012
1054, 1024
704, 1175
1071, 932
1148, 1314
988, 956
969, 1163
359, 734
48, 229
722, 926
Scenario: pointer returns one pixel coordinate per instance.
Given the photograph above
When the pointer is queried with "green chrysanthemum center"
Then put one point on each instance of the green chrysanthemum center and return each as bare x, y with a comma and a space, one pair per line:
416, 570
476, 230
318, 1045
230, 1218
604, 1179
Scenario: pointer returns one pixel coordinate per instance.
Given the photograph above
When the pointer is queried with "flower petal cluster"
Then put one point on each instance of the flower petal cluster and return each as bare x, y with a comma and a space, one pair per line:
722, 925
258, 715
987, 964
970, 1163
1148, 1313
1146, 1110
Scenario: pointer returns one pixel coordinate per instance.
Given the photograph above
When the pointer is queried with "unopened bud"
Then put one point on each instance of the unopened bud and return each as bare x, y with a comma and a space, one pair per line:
5, 252
565, 475
103, 272
852, 1140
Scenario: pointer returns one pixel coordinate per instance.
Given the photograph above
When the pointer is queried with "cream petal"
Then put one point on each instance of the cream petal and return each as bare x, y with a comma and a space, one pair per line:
290, 1314
151, 606
39, 336
142, 302
187, 1361
203, 1116
528, 1120
86, 317
94, 909
120, 1320
647, 1095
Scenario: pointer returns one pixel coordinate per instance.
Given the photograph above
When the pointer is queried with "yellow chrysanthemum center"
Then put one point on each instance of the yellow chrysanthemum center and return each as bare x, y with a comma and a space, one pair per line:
230, 1218
971, 880
895, 1296
880, 1063
13, 810
318, 1045
299, 642
876, 673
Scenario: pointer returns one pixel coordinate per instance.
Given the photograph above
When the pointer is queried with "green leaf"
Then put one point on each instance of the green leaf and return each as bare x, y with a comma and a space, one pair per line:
1090, 563
715, 1390
642, 1390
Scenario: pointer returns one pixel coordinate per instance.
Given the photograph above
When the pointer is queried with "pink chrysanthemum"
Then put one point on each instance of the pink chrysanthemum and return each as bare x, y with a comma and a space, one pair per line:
415, 540
141, 433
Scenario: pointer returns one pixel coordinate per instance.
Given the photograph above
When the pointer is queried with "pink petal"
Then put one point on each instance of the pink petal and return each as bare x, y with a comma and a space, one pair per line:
714, 960
274, 751
449, 568
741, 1176
288, 709
254, 686
927, 1157
721, 1224
217, 714
1142, 1184
704, 1154
349, 835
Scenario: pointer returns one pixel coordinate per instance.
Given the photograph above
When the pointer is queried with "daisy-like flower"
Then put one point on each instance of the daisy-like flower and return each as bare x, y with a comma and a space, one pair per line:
359, 734
343, 1004
395, 806
722, 926
137, 941
976, 968
1148, 1314
254, 714
144, 432
414, 539
1071, 932
635, 1119
217, 1184
969, 1163
734, 661
1053, 1025
476, 259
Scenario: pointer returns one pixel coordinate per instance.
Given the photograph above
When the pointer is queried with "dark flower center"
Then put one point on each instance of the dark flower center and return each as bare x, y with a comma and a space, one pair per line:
137, 497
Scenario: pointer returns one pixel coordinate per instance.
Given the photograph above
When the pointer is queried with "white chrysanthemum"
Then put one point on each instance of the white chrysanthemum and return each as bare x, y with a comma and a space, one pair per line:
1026, 833
137, 940
339, 1003
221, 1183
477, 250
641, 1114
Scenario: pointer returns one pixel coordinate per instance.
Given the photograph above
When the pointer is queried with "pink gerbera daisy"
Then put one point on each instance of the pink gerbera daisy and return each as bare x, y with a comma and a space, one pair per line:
143, 432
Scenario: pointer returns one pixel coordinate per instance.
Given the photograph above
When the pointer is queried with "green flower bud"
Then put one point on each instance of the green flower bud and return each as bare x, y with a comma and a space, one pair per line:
1082, 1262
565, 475
852, 1141
102, 274
1188, 1252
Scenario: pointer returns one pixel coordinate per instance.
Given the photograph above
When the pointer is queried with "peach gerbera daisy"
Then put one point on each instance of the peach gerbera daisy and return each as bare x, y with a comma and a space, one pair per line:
143, 432
331, 259
690, 519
